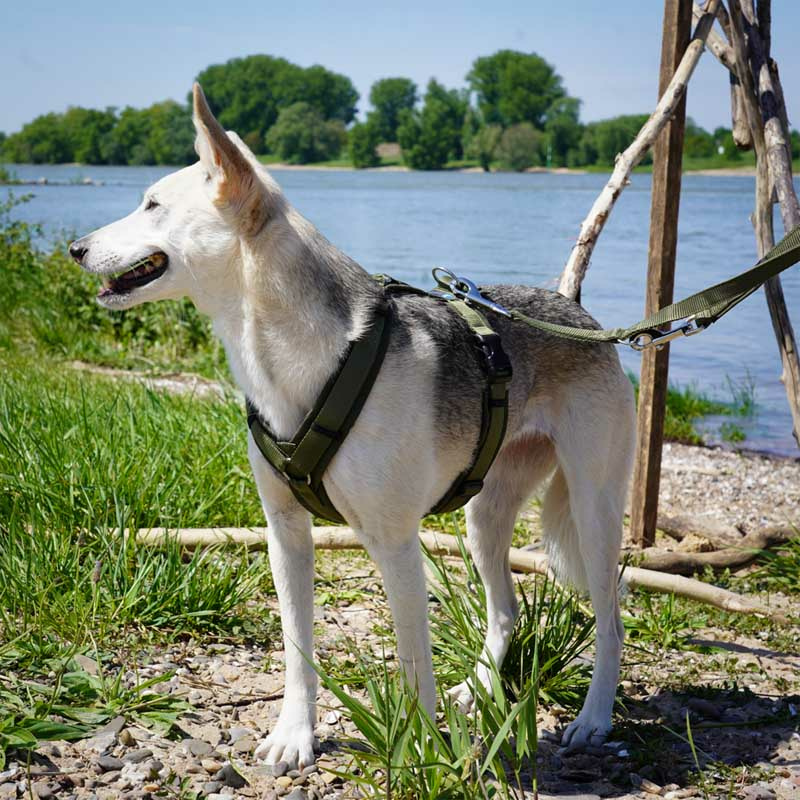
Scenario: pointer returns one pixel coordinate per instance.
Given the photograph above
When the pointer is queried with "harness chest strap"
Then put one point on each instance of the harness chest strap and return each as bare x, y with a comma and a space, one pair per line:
302, 460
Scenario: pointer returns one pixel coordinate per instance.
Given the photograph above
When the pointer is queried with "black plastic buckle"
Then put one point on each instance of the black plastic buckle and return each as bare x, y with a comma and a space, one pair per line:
497, 362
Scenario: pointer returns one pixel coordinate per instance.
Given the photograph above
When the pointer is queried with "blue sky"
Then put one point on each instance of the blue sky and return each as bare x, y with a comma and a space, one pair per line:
92, 53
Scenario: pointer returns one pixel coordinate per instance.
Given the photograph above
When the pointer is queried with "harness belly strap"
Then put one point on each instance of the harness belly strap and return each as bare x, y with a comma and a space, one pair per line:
303, 459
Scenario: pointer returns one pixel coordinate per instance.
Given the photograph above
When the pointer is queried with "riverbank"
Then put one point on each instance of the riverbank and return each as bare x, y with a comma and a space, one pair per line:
8, 178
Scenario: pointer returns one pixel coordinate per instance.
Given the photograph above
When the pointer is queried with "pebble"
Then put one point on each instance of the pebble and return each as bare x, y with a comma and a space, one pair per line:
44, 791
210, 765
126, 738
284, 781
280, 768
211, 787
197, 747
297, 794
109, 763
137, 756
230, 777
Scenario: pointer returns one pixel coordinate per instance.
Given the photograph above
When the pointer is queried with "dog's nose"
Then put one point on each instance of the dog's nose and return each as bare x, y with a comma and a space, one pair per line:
78, 251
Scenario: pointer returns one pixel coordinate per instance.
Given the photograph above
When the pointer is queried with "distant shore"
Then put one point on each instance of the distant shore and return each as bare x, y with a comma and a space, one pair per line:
12, 180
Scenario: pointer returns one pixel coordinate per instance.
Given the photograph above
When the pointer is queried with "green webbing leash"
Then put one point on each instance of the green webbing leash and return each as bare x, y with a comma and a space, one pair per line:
698, 310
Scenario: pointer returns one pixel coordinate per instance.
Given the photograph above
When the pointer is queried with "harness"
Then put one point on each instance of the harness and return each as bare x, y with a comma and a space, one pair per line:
303, 459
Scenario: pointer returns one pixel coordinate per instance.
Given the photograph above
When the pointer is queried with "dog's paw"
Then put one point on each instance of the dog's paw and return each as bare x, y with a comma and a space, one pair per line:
291, 742
462, 697
585, 731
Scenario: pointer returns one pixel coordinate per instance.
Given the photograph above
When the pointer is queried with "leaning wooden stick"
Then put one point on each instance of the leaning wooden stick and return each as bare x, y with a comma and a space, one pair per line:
578, 263
334, 538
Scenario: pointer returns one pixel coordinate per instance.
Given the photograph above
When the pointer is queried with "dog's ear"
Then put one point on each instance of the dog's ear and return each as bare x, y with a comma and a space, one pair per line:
237, 184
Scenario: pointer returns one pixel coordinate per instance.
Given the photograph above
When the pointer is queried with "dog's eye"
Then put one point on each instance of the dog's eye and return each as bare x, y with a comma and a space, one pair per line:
151, 204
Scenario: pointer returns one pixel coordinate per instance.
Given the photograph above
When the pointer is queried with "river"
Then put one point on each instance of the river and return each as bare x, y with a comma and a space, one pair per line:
511, 228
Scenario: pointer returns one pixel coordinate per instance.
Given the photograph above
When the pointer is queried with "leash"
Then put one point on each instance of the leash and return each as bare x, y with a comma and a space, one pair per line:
698, 311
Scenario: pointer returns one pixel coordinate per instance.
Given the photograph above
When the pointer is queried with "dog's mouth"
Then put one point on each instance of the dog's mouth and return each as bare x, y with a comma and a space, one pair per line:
144, 271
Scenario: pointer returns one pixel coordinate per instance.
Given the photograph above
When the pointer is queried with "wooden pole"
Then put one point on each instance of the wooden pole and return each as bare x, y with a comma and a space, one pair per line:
664, 205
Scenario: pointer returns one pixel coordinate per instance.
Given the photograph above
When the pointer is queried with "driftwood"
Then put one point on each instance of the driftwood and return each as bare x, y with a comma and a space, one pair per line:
762, 101
745, 552
578, 263
334, 538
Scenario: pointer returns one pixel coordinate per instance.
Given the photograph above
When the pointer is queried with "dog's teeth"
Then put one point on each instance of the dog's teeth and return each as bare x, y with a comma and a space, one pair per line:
157, 260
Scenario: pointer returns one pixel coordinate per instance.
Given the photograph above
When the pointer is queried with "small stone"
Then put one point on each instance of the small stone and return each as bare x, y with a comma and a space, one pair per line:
125, 738
109, 763
151, 787
210, 766
211, 787
237, 732
705, 708
649, 787
137, 756
230, 777
280, 768
246, 744
309, 770
44, 791
297, 794
197, 747
284, 780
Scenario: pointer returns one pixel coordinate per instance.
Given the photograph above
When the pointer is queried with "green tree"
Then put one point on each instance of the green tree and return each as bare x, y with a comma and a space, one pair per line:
301, 135
697, 142
170, 134
483, 144
389, 97
43, 140
127, 143
723, 140
612, 136
247, 94
563, 130
363, 138
514, 87
521, 147
87, 129
432, 136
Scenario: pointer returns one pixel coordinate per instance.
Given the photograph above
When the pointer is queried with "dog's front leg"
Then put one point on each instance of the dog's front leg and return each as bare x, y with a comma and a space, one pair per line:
291, 557
400, 563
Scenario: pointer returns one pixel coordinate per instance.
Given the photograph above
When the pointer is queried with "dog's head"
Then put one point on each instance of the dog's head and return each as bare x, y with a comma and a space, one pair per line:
188, 231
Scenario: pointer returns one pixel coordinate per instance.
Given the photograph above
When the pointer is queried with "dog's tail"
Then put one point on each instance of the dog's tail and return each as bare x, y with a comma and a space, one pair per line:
561, 534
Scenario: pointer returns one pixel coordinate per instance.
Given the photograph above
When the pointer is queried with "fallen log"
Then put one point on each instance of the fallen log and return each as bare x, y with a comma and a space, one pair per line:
746, 552
524, 561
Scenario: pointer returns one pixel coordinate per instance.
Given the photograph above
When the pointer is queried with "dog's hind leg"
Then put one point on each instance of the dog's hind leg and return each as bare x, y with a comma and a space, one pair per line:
583, 514
291, 557
519, 468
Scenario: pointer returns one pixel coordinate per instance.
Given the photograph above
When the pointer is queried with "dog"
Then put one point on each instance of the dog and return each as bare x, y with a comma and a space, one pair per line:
286, 303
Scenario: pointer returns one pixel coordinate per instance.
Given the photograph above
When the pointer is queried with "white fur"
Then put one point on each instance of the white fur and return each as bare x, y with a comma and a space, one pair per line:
282, 344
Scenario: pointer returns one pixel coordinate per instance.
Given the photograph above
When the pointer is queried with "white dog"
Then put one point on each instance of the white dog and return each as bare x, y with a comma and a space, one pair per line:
286, 304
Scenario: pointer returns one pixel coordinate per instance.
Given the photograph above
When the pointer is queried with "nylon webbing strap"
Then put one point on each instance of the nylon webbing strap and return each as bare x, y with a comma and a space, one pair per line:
304, 458
703, 307
494, 412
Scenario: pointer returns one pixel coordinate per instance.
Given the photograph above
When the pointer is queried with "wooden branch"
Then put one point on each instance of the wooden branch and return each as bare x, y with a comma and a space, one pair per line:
578, 263
525, 561
716, 42
773, 172
746, 552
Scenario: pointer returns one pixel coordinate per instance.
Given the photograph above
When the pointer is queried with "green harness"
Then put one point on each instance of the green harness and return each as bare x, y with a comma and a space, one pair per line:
302, 460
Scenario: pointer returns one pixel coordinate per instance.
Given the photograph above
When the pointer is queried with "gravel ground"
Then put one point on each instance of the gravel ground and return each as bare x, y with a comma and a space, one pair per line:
742, 698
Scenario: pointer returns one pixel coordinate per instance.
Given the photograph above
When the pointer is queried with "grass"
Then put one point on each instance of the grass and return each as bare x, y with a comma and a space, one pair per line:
686, 405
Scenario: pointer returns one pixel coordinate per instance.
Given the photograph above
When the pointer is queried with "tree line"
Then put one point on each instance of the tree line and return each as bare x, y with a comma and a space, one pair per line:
514, 112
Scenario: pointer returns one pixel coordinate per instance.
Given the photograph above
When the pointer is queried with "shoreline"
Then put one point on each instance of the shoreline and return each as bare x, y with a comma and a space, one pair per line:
720, 172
